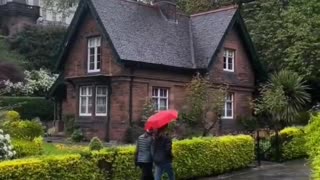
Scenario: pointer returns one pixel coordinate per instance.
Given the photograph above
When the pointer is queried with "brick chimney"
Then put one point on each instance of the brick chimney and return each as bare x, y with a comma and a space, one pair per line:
168, 8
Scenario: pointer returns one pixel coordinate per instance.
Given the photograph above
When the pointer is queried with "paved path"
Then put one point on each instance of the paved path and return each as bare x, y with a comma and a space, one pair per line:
292, 170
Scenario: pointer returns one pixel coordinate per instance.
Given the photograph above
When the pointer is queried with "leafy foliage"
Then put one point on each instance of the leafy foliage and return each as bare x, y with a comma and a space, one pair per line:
283, 97
25, 148
95, 144
9, 56
29, 107
39, 45
17, 128
77, 135
203, 99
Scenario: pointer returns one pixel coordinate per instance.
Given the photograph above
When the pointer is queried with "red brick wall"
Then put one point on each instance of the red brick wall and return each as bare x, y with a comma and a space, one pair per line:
243, 74
241, 82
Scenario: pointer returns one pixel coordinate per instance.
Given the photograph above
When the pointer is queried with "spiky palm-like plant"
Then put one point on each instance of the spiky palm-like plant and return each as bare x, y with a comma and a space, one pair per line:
294, 91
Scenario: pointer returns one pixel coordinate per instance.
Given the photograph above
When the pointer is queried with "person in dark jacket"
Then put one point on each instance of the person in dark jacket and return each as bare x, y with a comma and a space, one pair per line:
143, 157
162, 155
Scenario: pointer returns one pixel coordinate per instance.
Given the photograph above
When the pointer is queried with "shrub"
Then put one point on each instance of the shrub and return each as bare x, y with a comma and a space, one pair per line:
27, 130
292, 143
192, 158
133, 133
77, 135
6, 149
12, 116
30, 107
95, 144
313, 145
25, 148
66, 167
294, 147
211, 156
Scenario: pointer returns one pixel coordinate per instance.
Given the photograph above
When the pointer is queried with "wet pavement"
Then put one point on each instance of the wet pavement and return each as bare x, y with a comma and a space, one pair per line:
292, 170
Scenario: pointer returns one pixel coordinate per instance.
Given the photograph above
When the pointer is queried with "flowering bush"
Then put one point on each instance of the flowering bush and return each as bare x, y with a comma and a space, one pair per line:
36, 83
6, 149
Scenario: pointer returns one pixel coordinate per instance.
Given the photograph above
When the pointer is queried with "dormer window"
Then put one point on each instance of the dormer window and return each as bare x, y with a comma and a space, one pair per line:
228, 60
94, 54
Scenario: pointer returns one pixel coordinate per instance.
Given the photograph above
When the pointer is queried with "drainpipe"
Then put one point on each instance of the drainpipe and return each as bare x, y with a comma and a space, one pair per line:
130, 96
107, 138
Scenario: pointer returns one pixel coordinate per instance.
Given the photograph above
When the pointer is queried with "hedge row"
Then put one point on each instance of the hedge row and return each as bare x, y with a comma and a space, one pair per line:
193, 158
313, 145
293, 143
29, 107
26, 148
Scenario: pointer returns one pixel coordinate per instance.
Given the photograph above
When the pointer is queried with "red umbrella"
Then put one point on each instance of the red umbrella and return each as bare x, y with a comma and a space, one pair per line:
161, 119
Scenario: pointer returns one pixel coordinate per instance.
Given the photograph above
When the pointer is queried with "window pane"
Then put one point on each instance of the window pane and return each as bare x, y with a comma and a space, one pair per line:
224, 63
163, 104
230, 53
83, 90
90, 91
163, 93
230, 63
229, 106
83, 104
101, 105
98, 41
98, 62
101, 91
155, 92
155, 103
91, 51
229, 113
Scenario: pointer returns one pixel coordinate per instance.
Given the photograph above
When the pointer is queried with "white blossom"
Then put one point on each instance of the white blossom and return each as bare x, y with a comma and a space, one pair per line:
7, 137
38, 82
6, 149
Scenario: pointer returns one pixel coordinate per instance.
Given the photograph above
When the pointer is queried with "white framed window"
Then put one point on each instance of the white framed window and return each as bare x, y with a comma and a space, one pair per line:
94, 54
85, 101
101, 100
228, 107
160, 97
228, 60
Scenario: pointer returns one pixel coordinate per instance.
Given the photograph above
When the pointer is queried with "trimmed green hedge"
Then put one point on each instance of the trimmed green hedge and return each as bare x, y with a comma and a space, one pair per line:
29, 107
193, 158
26, 148
313, 145
211, 156
293, 146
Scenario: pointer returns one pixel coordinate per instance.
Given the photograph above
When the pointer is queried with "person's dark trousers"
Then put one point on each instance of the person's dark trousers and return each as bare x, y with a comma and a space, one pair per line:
146, 169
162, 169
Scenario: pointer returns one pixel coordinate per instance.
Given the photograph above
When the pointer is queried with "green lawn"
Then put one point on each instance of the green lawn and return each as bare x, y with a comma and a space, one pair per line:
59, 149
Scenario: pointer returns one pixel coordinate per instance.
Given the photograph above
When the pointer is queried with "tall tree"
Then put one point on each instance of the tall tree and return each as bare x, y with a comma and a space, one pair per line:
39, 45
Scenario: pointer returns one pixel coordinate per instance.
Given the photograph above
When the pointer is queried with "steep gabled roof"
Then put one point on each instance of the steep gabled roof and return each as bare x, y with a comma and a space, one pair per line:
140, 34
208, 31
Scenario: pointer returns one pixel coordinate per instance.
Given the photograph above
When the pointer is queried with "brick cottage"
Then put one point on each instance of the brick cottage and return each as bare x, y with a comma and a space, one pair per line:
118, 53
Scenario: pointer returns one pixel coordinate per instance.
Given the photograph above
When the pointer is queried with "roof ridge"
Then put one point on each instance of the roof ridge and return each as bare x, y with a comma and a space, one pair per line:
138, 3
216, 10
